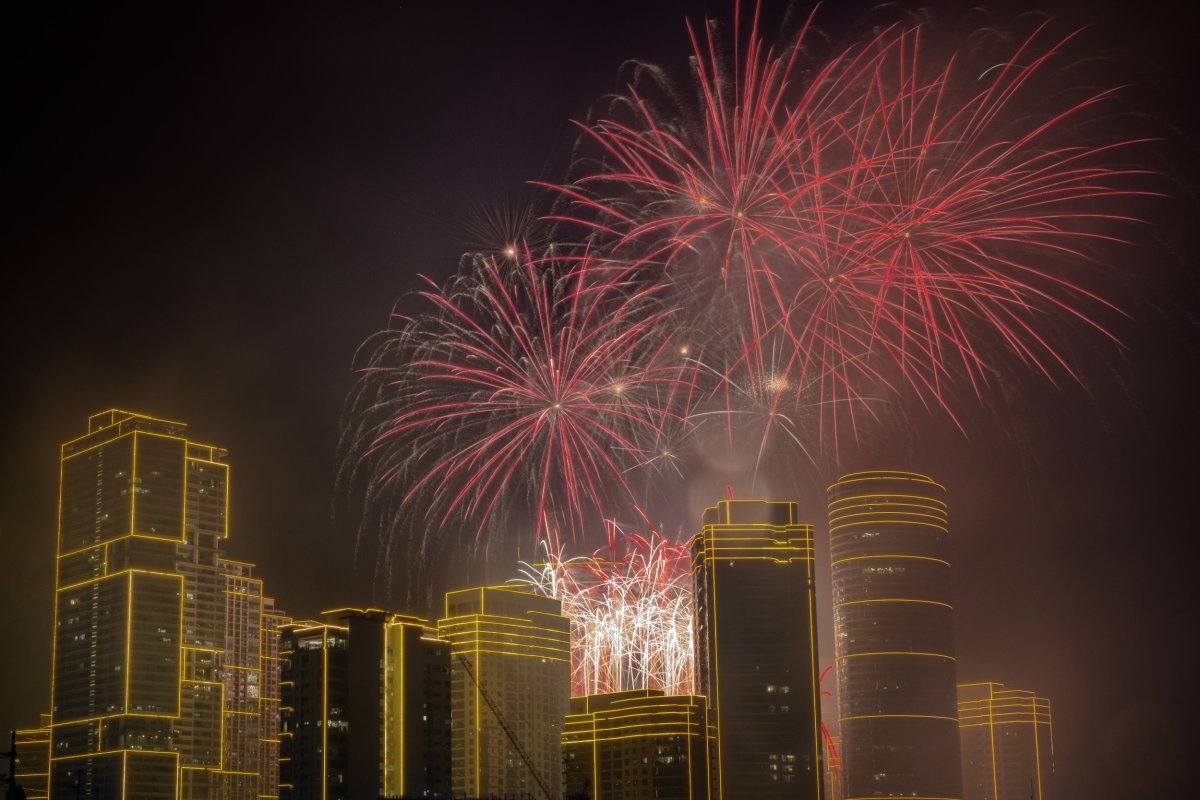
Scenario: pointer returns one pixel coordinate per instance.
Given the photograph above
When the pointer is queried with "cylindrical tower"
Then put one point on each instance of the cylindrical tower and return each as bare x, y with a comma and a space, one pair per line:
894, 629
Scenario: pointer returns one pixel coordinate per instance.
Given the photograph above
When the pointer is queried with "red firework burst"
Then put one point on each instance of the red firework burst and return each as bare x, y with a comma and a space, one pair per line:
717, 179
956, 228
526, 381
903, 226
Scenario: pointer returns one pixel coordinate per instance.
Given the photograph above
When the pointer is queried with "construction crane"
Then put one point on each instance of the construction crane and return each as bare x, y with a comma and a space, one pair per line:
15, 792
504, 727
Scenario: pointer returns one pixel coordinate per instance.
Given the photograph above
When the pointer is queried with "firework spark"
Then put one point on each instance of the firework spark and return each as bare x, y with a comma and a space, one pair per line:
521, 382
771, 257
905, 224
630, 606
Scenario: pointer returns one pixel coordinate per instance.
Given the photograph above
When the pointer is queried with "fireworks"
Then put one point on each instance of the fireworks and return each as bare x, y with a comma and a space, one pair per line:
904, 225
767, 258
630, 607
526, 383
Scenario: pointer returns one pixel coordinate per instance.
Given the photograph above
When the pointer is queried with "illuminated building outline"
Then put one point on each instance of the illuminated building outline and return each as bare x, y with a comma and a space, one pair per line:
510, 637
611, 736
775, 553
1007, 742
894, 636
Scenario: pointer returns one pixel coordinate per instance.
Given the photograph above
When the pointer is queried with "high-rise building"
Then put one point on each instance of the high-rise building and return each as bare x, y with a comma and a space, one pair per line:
510, 673
240, 678
1007, 743
250, 682
156, 658
273, 621
638, 744
756, 635
366, 707
315, 691
33, 760
894, 636
416, 734
141, 510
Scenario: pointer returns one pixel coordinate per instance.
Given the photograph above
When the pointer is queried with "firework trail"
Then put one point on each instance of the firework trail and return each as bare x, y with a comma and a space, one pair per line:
905, 225
766, 257
630, 606
965, 227
831, 751
521, 384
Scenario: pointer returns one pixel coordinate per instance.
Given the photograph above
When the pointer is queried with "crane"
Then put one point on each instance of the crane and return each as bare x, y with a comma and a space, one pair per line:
512, 738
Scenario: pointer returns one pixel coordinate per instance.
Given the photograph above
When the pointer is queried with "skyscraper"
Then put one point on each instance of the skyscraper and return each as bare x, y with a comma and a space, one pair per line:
366, 707
510, 680
138, 610
1007, 743
250, 682
756, 635
156, 676
638, 744
273, 621
398, 705
314, 686
894, 635
416, 736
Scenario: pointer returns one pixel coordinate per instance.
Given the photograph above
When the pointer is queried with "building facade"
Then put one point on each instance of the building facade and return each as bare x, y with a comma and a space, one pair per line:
756, 634
155, 674
833, 769
250, 687
33, 760
510, 668
416, 735
894, 635
1007, 743
273, 621
366, 707
137, 610
314, 725
638, 744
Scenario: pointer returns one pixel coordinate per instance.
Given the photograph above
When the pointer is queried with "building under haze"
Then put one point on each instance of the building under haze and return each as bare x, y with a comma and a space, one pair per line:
756, 636
366, 707
156, 676
894, 635
510, 686
33, 760
637, 744
1007, 743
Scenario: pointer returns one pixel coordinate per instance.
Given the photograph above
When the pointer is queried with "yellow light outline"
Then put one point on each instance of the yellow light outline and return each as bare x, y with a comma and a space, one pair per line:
890, 555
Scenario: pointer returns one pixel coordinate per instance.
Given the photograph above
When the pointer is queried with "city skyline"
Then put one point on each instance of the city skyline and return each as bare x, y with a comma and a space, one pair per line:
254, 250
902, 515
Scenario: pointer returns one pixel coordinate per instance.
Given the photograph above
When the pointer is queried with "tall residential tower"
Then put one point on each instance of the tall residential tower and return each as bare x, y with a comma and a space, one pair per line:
135, 695
156, 674
366, 708
756, 659
510, 668
638, 743
894, 635
1007, 743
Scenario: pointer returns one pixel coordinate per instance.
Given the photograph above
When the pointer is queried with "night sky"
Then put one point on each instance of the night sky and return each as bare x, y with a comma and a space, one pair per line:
211, 209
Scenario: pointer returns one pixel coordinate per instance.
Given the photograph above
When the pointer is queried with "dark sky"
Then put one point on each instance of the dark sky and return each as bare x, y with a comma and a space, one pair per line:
211, 209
